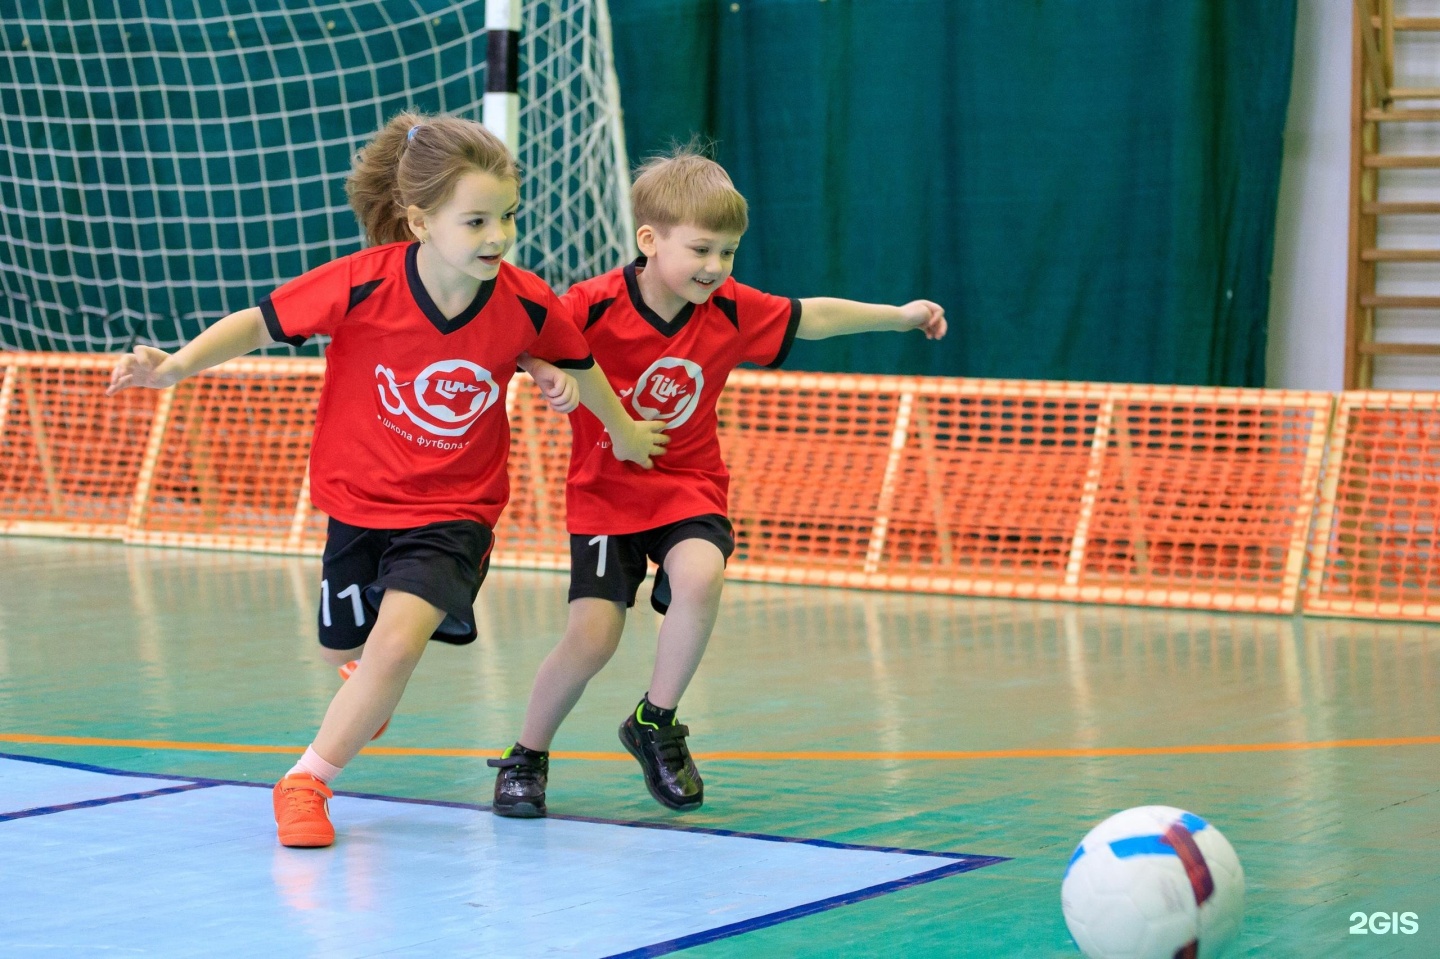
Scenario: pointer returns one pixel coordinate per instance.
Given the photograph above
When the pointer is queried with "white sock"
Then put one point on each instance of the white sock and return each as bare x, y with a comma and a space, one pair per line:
312, 763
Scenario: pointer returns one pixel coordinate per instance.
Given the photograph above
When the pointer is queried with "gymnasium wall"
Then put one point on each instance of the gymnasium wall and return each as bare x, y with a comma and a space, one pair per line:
1308, 292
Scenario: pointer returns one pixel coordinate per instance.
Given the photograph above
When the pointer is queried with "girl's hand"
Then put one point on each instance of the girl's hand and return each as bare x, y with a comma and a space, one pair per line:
145, 367
558, 387
644, 440
927, 317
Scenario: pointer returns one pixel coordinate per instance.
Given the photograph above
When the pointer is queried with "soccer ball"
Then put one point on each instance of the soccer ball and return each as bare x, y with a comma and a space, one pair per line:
1153, 882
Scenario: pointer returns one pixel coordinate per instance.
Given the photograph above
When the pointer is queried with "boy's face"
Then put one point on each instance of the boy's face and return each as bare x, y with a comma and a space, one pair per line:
691, 262
473, 229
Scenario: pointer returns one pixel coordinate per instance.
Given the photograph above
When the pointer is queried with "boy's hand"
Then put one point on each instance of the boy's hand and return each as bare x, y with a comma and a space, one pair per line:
144, 367
927, 317
558, 387
644, 440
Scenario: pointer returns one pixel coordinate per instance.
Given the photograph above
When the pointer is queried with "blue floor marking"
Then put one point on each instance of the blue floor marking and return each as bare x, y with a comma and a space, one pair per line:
103, 801
809, 909
25, 790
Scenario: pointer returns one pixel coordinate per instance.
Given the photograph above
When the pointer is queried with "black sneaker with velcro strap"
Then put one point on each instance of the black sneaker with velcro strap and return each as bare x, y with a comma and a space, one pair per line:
520, 783
670, 773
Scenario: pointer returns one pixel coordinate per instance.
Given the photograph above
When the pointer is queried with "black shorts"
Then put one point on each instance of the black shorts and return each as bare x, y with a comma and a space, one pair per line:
442, 563
613, 567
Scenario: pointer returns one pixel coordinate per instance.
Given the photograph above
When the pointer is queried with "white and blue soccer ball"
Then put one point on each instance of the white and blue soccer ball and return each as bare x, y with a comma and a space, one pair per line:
1153, 882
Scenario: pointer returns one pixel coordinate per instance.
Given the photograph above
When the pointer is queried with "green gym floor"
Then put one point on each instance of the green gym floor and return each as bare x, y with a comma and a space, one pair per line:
991, 728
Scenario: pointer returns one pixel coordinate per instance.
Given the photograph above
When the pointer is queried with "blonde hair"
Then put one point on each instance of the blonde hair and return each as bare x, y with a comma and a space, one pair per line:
685, 186
415, 160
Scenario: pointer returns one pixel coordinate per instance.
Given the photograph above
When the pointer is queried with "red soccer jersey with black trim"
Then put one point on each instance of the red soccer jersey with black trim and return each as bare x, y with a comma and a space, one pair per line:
411, 427
669, 371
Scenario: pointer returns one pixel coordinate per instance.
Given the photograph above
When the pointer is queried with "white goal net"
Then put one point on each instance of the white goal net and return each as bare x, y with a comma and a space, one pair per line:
163, 164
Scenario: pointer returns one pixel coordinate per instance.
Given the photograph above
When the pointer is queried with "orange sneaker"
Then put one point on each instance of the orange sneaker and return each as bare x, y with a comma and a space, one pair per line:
346, 672
302, 811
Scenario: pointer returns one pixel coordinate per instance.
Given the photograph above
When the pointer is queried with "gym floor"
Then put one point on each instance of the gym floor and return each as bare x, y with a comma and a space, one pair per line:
943, 756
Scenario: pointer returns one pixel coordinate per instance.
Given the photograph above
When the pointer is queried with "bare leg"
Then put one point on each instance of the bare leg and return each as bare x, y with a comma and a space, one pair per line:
402, 629
696, 570
592, 634
339, 657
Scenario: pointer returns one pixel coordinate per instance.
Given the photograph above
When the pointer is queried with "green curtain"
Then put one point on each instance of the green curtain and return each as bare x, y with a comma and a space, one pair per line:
1088, 188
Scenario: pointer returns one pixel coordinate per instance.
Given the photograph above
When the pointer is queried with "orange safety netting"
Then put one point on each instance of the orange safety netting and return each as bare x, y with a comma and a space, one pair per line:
69, 458
1168, 496
1164, 496
531, 531
809, 458
228, 461
1204, 498
1375, 551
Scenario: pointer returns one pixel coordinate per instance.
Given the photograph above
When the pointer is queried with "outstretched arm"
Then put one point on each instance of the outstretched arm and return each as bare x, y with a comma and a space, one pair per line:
822, 317
232, 336
634, 441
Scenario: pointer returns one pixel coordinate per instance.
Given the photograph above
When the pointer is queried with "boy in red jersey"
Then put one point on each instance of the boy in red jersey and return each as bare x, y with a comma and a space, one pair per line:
411, 437
667, 329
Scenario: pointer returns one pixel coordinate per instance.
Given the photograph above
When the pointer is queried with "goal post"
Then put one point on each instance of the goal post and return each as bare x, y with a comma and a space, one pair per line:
502, 70
163, 166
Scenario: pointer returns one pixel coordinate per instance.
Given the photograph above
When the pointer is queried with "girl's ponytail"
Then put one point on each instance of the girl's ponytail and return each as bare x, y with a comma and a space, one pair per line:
415, 160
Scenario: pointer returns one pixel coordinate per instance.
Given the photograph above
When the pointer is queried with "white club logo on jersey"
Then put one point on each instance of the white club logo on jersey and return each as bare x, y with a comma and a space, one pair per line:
669, 390
445, 399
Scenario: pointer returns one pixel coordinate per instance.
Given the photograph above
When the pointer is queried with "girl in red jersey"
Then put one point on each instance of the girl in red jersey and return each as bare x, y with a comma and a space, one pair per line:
668, 330
411, 437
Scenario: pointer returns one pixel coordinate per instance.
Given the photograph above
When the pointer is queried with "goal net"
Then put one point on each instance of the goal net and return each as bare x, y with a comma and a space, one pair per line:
160, 170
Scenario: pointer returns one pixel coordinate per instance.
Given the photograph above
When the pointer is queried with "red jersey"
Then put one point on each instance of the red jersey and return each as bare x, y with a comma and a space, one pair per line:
411, 427
668, 371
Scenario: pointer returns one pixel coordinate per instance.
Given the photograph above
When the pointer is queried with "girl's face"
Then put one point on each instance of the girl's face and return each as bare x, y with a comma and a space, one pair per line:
472, 231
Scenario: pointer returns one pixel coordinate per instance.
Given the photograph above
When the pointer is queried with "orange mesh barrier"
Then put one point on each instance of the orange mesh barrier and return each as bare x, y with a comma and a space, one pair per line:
69, 457
1080, 491
531, 531
1204, 498
808, 457
990, 487
1189, 497
891, 482
1375, 551
227, 462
